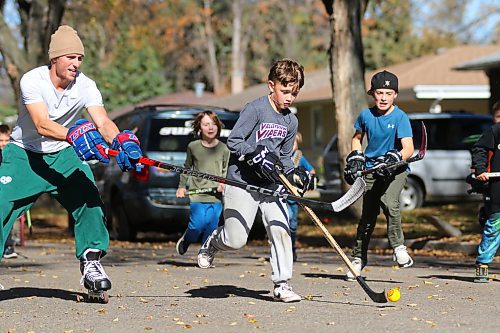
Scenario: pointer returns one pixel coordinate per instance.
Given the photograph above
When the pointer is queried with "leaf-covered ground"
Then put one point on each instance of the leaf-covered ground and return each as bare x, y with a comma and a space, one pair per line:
51, 223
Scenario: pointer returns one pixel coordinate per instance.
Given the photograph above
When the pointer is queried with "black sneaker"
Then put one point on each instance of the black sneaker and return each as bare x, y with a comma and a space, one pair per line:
9, 253
182, 245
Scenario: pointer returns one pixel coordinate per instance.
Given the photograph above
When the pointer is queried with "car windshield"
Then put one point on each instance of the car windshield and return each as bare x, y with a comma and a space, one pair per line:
443, 134
173, 135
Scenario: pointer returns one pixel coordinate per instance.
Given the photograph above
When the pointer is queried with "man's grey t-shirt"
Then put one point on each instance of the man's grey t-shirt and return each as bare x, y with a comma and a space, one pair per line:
260, 124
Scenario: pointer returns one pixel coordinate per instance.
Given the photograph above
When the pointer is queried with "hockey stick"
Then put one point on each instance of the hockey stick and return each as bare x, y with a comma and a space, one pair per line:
420, 155
376, 297
490, 175
343, 202
203, 190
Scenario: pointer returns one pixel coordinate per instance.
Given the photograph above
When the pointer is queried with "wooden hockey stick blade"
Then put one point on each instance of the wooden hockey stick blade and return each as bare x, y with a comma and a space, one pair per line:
330, 206
374, 296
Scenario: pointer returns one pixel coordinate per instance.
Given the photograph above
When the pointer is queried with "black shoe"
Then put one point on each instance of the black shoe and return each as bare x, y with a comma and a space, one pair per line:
9, 253
182, 245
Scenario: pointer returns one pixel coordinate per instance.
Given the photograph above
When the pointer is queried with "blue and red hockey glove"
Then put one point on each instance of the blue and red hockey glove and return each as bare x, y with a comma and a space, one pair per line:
129, 149
87, 141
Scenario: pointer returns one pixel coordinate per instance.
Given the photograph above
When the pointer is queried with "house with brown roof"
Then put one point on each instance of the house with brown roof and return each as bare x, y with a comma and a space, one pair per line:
428, 82
490, 64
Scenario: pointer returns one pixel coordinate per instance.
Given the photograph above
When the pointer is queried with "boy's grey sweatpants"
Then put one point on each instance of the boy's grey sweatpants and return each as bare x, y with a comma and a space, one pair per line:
240, 209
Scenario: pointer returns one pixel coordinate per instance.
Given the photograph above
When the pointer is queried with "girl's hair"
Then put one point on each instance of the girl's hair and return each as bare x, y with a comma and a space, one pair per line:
287, 71
197, 122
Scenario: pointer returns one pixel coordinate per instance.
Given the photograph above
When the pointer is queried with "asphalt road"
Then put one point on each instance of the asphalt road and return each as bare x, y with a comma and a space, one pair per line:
155, 290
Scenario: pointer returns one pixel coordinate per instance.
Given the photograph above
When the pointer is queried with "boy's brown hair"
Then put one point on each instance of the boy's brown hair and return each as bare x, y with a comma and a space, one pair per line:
287, 71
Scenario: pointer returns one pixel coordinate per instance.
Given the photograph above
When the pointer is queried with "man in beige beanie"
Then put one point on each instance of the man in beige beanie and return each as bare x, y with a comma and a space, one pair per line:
49, 143
65, 41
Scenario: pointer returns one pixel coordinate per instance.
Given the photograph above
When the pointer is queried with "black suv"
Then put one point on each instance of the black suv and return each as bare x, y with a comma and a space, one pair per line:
146, 201
440, 176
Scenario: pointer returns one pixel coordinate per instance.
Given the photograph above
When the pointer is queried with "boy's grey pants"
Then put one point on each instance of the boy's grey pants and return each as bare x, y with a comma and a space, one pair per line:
240, 209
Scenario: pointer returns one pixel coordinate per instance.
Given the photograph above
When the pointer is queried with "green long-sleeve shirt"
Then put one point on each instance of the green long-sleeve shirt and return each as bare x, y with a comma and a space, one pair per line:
212, 160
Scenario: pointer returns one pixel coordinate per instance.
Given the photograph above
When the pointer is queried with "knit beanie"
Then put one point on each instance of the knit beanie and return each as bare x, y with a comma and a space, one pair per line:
65, 41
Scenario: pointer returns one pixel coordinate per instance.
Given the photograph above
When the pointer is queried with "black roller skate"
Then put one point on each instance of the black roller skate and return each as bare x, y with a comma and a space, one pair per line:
94, 279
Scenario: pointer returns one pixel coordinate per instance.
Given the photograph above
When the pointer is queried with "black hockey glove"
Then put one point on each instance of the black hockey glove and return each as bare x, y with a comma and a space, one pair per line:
391, 157
355, 162
265, 164
476, 186
302, 180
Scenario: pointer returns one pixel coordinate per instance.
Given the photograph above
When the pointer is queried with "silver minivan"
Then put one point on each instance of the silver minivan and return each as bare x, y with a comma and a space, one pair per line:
440, 176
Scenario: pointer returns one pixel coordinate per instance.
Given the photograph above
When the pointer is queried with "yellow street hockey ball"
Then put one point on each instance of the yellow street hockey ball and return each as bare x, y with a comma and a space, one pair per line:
393, 295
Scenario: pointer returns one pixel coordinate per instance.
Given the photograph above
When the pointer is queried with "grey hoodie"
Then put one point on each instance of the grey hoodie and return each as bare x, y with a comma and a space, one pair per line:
260, 124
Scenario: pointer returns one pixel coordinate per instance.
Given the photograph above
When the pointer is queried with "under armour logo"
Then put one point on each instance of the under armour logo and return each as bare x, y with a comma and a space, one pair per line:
390, 126
5, 179
387, 83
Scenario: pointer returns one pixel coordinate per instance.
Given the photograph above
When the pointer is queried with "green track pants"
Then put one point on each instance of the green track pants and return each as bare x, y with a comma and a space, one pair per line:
25, 175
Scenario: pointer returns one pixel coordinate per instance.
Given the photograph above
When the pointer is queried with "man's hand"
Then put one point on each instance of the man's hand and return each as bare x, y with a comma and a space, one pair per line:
264, 163
87, 141
355, 162
130, 151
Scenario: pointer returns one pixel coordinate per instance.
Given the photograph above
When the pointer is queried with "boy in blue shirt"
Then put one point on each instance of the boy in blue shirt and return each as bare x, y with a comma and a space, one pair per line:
389, 136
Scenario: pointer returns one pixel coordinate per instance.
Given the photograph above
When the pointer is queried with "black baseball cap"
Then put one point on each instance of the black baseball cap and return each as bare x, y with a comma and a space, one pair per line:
384, 80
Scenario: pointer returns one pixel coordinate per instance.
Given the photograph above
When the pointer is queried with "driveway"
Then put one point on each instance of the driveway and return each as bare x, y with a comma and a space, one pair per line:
155, 290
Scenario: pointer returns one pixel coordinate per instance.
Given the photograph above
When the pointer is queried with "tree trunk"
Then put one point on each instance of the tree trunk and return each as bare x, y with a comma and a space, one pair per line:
237, 61
347, 73
39, 19
213, 67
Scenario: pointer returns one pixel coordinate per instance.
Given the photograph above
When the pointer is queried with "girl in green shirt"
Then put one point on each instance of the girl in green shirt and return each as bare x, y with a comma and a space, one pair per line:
208, 155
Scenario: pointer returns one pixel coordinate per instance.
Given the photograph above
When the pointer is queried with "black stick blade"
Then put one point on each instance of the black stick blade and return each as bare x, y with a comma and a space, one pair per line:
376, 297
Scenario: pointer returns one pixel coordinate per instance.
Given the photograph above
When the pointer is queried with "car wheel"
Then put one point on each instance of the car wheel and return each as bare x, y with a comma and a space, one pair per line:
412, 195
121, 229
